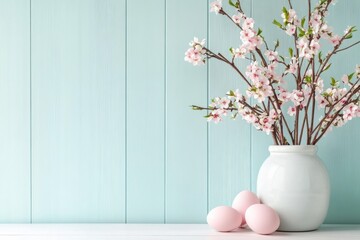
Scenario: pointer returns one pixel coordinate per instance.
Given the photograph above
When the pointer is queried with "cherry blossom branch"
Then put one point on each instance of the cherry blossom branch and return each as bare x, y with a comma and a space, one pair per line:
343, 49
351, 92
258, 110
224, 59
332, 120
298, 87
290, 5
222, 12
313, 94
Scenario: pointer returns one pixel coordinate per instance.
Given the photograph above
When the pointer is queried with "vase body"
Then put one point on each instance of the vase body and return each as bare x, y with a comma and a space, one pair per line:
295, 183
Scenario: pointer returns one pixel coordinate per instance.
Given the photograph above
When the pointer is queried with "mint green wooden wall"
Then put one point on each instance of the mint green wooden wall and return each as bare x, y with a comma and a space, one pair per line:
95, 121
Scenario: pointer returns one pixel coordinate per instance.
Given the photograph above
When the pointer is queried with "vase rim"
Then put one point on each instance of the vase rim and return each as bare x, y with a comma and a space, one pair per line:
293, 148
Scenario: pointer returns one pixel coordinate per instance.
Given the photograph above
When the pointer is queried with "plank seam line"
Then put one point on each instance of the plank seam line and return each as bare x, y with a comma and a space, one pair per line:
30, 117
126, 111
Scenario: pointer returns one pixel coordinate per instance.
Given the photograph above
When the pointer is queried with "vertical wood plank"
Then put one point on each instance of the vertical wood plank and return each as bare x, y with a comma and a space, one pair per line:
229, 153
15, 111
145, 111
338, 149
78, 76
186, 159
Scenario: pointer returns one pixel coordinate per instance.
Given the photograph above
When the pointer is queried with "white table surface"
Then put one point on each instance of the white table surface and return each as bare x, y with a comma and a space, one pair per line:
161, 232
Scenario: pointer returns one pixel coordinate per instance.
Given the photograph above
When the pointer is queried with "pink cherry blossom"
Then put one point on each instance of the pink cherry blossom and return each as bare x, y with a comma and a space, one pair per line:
292, 111
236, 19
196, 43
216, 6
335, 40
293, 66
320, 85
303, 46
247, 34
306, 53
224, 102
240, 52
194, 56
297, 97
291, 16
271, 67
256, 41
350, 112
290, 29
271, 55
248, 23
345, 79
237, 95
315, 21
302, 43
249, 117
215, 116
315, 46
284, 95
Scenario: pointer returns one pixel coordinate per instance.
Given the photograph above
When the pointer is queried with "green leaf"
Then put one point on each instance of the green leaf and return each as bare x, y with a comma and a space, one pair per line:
301, 32
277, 24
310, 31
231, 50
320, 57
308, 79
286, 13
333, 82
259, 31
302, 22
277, 43
231, 93
323, 1
351, 76
291, 52
282, 58
327, 67
231, 3
348, 36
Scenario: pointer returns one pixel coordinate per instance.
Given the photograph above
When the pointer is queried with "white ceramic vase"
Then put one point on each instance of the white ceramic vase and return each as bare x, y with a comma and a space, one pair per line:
294, 181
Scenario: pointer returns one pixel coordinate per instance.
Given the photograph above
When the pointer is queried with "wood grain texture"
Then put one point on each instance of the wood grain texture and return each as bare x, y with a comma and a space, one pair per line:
145, 111
106, 111
229, 146
186, 130
339, 148
78, 112
15, 111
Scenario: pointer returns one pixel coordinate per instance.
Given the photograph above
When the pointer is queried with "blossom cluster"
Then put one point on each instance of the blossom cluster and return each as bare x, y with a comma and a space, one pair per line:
195, 54
268, 99
248, 35
234, 101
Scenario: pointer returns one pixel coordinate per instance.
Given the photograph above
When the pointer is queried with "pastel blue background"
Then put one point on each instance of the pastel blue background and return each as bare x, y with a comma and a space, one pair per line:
95, 121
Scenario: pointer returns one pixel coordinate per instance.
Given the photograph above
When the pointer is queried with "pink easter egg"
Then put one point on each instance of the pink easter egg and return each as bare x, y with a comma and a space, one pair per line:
262, 219
224, 219
244, 200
